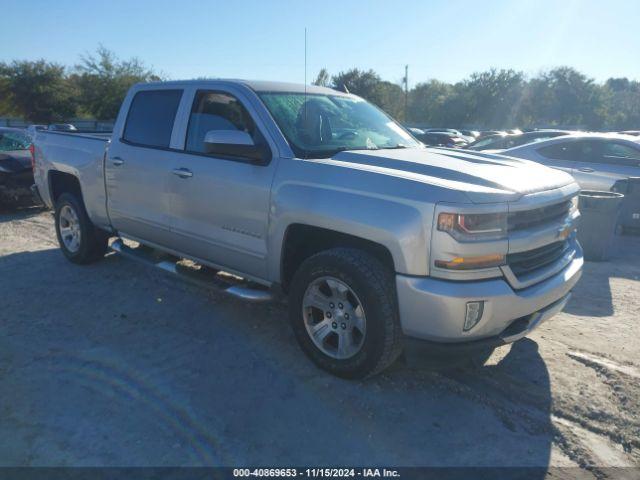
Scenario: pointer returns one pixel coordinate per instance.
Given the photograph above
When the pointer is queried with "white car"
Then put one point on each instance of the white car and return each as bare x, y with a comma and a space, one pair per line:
596, 160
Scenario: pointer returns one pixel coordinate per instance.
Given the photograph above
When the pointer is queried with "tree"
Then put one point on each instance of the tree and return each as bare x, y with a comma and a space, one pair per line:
37, 91
6, 102
621, 99
102, 82
368, 85
361, 83
323, 79
565, 97
427, 101
390, 97
493, 97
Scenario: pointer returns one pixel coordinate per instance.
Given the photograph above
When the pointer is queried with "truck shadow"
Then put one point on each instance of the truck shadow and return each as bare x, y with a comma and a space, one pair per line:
184, 377
9, 212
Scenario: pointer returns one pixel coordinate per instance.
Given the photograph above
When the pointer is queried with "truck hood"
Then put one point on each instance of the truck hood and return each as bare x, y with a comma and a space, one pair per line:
481, 176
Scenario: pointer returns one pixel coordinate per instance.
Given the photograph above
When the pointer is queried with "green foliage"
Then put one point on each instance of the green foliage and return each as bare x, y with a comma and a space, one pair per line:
428, 102
369, 85
505, 99
621, 103
102, 82
37, 91
44, 92
323, 79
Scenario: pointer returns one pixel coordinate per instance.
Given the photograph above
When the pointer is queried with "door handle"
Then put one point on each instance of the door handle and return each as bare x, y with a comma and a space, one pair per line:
586, 169
182, 172
117, 161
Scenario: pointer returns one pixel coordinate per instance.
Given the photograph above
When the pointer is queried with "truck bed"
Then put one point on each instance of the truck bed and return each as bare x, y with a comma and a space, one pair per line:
80, 154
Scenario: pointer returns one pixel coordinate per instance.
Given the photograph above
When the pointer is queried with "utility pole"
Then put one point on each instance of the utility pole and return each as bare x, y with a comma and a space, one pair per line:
406, 91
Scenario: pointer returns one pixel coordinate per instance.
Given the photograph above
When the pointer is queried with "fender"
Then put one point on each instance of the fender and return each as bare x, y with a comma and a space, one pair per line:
398, 227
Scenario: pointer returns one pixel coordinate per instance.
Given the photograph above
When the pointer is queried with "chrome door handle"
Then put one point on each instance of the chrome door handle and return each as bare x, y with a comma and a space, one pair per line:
182, 172
117, 161
586, 169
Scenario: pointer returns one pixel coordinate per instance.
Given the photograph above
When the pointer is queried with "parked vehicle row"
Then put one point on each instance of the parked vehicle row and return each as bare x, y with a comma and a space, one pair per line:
439, 139
596, 160
378, 241
16, 176
504, 141
16, 172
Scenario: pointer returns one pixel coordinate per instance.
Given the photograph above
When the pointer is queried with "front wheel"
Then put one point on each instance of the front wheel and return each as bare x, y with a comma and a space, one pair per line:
343, 311
80, 241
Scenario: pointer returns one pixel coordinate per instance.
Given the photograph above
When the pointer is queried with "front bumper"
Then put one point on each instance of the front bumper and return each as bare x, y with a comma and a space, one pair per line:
434, 310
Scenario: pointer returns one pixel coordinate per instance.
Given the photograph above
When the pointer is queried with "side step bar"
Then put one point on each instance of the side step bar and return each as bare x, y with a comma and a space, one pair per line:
217, 281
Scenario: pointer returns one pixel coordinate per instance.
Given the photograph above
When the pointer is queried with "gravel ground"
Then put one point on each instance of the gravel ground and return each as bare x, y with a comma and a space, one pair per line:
117, 364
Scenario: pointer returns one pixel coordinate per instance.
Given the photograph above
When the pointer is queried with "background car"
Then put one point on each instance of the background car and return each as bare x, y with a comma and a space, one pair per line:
494, 142
596, 160
441, 139
451, 131
486, 133
16, 175
470, 133
62, 127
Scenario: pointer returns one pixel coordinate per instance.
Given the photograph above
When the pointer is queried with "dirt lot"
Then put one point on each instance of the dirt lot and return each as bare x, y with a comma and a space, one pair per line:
117, 364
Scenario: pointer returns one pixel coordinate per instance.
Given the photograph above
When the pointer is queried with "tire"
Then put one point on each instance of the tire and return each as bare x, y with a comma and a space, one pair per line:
372, 286
91, 243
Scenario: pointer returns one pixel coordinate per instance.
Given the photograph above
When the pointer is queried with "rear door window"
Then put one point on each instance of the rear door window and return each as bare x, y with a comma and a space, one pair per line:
562, 151
151, 116
620, 154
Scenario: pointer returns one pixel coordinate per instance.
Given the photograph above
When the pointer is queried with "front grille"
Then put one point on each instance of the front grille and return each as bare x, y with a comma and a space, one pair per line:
540, 216
523, 263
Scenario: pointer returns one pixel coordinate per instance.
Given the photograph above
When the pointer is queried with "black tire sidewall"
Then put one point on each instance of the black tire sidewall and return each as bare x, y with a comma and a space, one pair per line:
376, 305
86, 252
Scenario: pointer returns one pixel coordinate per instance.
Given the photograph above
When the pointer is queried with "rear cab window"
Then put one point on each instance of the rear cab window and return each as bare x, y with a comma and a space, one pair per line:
151, 117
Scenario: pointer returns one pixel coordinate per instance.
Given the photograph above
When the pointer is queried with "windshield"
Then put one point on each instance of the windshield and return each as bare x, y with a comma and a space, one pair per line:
13, 141
318, 126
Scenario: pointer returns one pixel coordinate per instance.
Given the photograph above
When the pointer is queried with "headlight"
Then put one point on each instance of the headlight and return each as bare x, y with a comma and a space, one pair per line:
473, 226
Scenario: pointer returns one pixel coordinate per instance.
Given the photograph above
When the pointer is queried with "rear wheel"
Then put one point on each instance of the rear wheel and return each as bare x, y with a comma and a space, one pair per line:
80, 241
343, 311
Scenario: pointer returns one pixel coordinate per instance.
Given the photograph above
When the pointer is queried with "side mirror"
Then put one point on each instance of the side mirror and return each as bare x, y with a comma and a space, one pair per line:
235, 143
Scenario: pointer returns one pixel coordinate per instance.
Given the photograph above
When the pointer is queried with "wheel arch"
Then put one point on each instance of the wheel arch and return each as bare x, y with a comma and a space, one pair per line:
301, 241
62, 182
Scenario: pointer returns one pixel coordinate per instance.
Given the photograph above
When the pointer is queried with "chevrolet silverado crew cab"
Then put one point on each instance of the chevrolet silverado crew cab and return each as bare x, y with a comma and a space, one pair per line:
316, 194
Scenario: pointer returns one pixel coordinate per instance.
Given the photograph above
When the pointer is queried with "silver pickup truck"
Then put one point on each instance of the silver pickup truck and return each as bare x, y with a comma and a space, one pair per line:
378, 241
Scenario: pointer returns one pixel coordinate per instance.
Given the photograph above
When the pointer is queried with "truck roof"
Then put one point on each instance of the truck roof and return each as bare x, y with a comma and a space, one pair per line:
255, 85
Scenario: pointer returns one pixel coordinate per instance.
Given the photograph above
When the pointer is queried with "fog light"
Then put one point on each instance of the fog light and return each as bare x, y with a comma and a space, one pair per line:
473, 314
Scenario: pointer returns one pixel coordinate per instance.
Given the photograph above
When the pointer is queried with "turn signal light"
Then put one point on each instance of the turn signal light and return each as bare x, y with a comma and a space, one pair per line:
470, 263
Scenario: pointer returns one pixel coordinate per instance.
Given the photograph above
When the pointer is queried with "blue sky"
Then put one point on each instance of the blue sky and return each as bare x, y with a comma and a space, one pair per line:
446, 40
